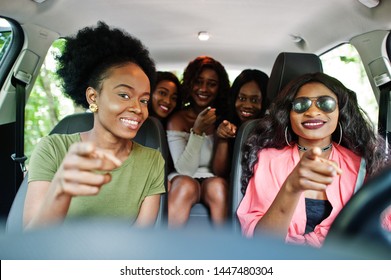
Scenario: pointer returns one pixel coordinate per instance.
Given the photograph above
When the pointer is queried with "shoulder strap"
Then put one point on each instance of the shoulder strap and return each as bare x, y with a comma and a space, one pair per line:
361, 175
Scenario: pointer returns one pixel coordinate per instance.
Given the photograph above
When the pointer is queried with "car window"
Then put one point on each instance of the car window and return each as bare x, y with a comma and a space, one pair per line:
11, 41
47, 104
344, 63
5, 37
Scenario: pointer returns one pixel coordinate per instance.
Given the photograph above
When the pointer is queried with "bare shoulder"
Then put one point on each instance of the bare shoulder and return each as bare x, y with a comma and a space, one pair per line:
179, 121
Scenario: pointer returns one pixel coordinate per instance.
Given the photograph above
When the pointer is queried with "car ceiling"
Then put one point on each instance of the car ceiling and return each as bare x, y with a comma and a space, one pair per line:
244, 34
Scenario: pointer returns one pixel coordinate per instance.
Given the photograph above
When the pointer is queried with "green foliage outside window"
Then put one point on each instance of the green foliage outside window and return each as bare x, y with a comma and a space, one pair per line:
5, 39
46, 104
344, 63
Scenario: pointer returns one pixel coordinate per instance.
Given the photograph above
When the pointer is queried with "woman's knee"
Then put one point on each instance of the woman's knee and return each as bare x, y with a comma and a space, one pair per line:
216, 190
184, 188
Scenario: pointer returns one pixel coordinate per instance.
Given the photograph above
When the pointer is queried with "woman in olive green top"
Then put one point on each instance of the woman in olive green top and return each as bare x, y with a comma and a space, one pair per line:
93, 173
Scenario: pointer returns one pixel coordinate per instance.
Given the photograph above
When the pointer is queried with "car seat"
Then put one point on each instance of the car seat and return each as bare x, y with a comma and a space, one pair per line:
151, 134
287, 67
235, 195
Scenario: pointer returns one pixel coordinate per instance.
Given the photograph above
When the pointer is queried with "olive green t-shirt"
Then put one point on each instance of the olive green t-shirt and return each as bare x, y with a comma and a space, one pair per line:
139, 176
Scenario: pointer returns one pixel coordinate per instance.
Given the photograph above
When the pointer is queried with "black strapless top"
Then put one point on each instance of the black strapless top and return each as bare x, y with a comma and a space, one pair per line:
317, 210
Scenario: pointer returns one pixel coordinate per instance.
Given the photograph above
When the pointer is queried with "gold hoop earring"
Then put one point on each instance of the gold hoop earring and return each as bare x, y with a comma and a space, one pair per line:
93, 107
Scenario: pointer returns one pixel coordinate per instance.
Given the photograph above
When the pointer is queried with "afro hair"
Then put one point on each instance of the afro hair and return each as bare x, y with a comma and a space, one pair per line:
89, 54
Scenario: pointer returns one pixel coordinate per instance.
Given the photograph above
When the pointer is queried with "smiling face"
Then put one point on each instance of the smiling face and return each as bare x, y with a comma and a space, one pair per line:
248, 103
164, 98
314, 126
122, 101
205, 88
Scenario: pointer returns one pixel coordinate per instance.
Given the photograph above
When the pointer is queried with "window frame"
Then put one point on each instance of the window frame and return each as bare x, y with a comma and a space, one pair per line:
13, 51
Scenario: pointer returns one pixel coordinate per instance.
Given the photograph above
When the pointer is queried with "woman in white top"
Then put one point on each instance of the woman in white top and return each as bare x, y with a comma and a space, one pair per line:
190, 134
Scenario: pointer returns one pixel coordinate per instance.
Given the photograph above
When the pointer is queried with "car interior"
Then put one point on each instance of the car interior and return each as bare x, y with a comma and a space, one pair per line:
284, 39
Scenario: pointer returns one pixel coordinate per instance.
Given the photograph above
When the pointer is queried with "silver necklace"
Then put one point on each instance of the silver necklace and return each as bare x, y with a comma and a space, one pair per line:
324, 149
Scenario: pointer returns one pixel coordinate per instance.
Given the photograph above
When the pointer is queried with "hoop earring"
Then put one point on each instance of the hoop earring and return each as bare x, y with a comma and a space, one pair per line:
286, 137
340, 133
93, 107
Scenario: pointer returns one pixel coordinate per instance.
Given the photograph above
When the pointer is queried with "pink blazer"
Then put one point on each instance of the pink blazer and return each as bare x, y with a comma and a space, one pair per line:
270, 173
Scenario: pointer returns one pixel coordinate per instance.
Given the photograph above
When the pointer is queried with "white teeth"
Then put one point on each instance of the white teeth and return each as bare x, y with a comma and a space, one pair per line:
132, 122
313, 124
244, 113
201, 96
164, 108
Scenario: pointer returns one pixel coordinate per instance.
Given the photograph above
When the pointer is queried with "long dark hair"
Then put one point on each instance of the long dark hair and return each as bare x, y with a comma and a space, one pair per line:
358, 133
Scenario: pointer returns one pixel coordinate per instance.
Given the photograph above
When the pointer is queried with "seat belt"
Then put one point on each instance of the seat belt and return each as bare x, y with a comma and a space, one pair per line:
20, 81
384, 127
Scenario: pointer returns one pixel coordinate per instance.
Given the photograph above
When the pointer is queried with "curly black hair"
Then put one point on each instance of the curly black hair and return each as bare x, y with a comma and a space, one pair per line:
92, 52
191, 74
358, 133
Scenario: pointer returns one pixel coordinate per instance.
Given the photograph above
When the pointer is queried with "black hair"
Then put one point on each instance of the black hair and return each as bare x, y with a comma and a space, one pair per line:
167, 76
358, 133
191, 74
246, 76
92, 52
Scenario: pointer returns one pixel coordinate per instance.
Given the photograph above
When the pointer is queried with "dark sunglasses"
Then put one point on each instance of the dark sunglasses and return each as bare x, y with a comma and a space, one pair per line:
325, 103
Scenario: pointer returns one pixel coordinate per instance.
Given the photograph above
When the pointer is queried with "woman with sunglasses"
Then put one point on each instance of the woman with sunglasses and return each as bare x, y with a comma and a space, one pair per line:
304, 160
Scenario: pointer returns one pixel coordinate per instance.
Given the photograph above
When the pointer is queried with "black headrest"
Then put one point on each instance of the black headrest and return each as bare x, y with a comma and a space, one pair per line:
287, 67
